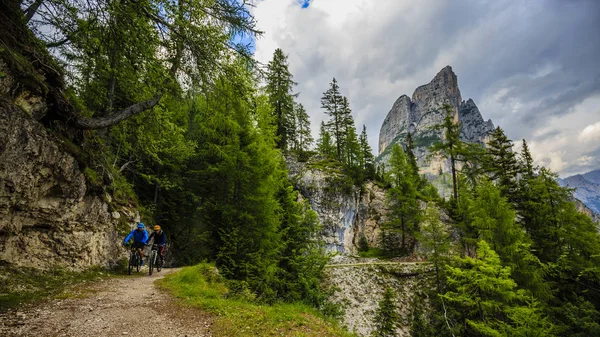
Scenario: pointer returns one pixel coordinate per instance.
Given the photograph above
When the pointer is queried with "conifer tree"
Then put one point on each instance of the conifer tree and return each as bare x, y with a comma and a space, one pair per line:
332, 102
488, 301
304, 138
494, 219
435, 239
501, 163
279, 89
526, 160
366, 157
386, 317
412, 159
450, 146
324, 143
402, 198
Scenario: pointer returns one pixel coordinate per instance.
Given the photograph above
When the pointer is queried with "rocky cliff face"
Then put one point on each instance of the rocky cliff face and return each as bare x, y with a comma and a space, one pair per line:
360, 284
47, 218
419, 114
346, 212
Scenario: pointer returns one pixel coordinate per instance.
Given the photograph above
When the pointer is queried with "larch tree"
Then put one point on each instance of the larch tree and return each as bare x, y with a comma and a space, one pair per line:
404, 212
332, 102
304, 137
450, 145
279, 89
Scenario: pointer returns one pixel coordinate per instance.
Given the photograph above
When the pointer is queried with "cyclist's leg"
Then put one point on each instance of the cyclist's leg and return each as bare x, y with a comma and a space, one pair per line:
160, 253
141, 250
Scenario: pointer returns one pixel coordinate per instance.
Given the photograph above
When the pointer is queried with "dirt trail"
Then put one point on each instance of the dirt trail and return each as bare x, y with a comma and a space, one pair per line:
124, 306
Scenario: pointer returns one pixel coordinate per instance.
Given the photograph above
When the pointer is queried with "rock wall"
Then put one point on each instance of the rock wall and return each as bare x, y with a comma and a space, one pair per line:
360, 284
47, 218
346, 212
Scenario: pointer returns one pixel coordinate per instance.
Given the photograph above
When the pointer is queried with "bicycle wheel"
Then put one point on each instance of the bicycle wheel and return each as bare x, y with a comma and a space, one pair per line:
151, 262
138, 261
159, 264
131, 263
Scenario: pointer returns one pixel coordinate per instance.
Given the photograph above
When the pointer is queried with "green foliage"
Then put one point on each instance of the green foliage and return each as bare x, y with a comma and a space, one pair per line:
450, 146
500, 163
236, 313
279, 90
404, 212
386, 316
435, 239
488, 301
363, 244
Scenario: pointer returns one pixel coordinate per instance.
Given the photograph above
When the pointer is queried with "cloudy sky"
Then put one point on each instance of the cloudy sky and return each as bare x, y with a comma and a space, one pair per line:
533, 67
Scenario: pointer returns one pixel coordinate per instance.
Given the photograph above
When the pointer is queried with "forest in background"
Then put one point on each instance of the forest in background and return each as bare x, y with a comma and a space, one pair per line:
167, 113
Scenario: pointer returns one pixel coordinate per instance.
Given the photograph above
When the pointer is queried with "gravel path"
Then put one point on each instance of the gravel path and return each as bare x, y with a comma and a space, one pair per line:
122, 306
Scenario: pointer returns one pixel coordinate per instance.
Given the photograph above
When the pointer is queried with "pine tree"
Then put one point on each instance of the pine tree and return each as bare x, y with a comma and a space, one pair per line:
366, 157
494, 219
279, 89
501, 163
488, 301
386, 317
332, 102
526, 160
435, 239
402, 198
304, 138
450, 146
412, 159
324, 143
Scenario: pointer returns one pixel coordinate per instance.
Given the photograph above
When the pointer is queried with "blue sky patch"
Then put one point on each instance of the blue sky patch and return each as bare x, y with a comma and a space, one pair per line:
304, 3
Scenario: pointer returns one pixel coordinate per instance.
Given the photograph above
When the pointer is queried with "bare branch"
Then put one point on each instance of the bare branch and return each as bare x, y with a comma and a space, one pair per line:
30, 11
104, 122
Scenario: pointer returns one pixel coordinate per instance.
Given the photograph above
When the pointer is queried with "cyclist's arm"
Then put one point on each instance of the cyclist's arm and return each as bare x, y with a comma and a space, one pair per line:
150, 238
145, 236
128, 237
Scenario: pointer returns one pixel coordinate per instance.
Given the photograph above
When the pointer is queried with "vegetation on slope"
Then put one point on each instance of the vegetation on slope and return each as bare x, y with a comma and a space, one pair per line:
237, 310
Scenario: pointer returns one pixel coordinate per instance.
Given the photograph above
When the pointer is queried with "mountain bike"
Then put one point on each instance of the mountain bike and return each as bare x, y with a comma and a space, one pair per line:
154, 261
135, 260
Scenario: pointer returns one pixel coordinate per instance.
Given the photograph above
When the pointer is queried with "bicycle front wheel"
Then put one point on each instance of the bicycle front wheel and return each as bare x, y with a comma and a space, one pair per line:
138, 262
131, 263
151, 262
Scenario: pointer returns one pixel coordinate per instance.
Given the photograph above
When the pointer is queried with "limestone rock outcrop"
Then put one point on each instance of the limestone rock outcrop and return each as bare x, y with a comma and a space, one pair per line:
346, 212
421, 113
47, 218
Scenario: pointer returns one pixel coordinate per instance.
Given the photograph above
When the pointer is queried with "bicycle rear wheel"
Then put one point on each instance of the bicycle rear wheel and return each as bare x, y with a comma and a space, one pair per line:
151, 262
159, 264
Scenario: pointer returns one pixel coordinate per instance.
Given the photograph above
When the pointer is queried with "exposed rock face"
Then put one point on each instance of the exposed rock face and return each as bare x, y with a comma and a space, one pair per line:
360, 285
346, 213
46, 217
423, 112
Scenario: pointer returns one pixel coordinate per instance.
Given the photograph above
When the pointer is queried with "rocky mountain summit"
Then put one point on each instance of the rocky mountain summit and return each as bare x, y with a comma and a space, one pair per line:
421, 113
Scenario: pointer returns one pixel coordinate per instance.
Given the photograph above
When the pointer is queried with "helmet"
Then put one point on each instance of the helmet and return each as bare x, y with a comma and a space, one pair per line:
141, 225
157, 228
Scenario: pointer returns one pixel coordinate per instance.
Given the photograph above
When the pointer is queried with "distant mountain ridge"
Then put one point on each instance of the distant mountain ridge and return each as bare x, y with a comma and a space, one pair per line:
587, 187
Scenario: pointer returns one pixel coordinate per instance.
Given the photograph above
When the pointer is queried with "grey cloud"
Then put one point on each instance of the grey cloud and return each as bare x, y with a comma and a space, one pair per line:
542, 54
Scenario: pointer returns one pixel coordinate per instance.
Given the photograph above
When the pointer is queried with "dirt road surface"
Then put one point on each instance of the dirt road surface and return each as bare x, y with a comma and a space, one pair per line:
121, 306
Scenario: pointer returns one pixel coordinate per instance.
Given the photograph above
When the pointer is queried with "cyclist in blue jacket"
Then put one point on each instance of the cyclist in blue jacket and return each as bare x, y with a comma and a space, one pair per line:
140, 237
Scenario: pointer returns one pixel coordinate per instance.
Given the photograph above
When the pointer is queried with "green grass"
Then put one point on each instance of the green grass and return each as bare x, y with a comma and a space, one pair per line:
20, 286
239, 314
373, 252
